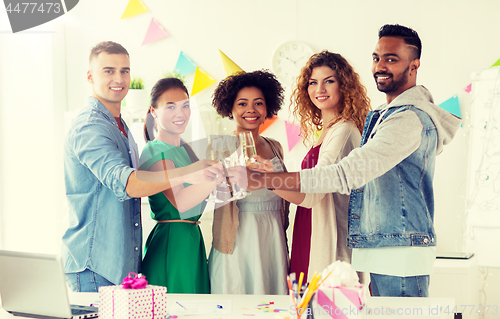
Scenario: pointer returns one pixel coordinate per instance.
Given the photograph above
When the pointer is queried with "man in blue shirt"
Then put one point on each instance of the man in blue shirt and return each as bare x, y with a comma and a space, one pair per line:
103, 242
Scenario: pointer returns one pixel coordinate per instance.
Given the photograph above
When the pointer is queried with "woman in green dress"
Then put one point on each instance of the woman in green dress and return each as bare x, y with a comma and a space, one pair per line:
174, 255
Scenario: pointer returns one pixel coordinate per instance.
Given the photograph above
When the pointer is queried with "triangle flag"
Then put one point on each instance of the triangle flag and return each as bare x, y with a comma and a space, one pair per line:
184, 64
317, 134
468, 88
230, 67
451, 105
202, 80
155, 32
292, 134
134, 7
496, 63
267, 123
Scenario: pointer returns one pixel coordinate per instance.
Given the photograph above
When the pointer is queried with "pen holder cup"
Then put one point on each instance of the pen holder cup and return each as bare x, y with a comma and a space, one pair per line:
302, 313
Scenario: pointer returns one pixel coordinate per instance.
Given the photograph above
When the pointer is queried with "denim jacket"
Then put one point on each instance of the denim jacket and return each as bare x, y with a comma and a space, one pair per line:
104, 232
397, 208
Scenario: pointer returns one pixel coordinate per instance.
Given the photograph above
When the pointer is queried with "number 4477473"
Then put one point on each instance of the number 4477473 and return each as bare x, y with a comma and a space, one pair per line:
469, 309
31, 7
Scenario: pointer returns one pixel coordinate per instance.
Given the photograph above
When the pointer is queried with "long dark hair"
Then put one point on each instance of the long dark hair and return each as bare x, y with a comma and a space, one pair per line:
160, 87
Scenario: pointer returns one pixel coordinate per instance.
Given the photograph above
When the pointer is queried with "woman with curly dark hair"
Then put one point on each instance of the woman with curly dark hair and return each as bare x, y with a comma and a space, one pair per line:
249, 253
330, 98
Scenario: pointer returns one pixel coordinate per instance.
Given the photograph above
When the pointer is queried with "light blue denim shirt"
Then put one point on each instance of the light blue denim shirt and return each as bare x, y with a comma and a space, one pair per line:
104, 232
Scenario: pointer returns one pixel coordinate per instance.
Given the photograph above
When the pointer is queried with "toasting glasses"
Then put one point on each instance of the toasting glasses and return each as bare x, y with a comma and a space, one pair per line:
243, 155
248, 144
231, 150
215, 154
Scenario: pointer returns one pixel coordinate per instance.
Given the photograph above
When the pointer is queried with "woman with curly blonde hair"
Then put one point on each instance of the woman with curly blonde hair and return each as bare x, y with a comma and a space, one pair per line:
329, 98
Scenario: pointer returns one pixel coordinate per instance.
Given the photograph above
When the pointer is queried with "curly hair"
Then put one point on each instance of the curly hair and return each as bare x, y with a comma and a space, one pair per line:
354, 103
227, 90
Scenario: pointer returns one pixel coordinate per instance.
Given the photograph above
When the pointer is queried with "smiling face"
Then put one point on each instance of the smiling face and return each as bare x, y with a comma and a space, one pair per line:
393, 68
110, 78
249, 109
324, 90
172, 115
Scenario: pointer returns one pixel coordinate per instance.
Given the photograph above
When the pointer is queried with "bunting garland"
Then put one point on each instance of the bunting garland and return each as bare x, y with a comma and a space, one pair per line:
468, 88
267, 123
134, 7
452, 106
317, 134
292, 134
155, 32
202, 80
184, 64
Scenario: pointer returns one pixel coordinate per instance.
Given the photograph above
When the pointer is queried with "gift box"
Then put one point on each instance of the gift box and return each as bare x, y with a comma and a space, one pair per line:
337, 293
123, 302
339, 302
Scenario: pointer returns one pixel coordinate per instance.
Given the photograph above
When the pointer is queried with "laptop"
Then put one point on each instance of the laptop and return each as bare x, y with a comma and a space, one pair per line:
34, 285
454, 255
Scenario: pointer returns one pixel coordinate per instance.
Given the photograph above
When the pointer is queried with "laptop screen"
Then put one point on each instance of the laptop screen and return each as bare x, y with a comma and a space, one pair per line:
33, 284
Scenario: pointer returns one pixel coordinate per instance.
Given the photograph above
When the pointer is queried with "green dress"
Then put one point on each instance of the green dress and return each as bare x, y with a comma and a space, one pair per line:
174, 255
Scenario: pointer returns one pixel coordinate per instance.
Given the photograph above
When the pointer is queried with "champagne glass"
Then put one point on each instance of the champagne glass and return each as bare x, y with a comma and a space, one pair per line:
236, 158
214, 153
243, 155
248, 144
221, 150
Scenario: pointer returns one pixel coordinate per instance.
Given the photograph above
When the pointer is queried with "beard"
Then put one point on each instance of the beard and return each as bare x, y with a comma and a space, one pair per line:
395, 84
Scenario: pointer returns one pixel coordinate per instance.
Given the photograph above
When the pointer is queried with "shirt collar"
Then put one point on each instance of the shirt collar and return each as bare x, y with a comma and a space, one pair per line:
95, 104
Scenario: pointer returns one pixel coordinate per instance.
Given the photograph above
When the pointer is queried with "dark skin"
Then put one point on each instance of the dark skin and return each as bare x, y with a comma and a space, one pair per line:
249, 112
393, 62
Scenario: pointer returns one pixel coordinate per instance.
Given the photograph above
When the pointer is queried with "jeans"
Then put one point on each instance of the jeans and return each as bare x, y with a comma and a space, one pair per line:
86, 281
394, 286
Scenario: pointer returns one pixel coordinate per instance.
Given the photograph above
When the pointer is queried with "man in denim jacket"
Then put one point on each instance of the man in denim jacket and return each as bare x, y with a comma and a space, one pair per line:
391, 209
103, 242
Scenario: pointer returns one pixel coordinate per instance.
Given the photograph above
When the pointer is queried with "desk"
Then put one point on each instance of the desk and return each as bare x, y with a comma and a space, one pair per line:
456, 278
245, 306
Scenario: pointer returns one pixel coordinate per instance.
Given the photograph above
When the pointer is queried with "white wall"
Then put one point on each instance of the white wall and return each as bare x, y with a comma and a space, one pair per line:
43, 74
456, 38
32, 104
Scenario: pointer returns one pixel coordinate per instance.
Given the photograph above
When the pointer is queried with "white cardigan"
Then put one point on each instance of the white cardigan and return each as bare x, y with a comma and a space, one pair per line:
329, 211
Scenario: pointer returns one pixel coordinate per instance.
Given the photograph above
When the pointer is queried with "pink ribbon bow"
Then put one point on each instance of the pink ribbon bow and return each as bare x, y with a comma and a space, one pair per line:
134, 282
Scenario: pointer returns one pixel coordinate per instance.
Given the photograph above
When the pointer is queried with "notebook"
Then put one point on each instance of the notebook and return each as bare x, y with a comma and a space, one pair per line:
34, 285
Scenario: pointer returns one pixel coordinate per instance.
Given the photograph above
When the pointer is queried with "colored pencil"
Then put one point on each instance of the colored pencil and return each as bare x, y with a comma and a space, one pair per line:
310, 290
301, 277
